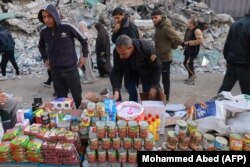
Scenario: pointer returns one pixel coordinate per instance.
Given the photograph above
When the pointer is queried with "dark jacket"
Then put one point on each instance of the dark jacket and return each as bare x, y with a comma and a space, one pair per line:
102, 40
7, 43
140, 61
194, 43
57, 45
164, 36
236, 49
127, 28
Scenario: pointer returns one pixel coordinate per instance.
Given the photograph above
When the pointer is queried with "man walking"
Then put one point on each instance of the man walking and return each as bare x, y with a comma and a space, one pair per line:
165, 38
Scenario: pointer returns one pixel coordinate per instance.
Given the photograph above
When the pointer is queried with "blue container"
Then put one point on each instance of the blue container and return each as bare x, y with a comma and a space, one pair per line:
28, 114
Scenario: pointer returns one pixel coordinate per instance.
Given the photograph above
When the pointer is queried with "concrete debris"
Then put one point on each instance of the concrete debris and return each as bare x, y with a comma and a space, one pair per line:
22, 21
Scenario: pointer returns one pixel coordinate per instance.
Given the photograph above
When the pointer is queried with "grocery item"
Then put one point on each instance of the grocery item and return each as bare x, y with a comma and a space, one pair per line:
149, 142
171, 139
127, 142
122, 128
116, 143
112, 155
137, 143
235, 142
122, 155
143, 129
221, 143
208, 142
132, 156
100, 129
111, 128
192, 127
181, 128
133, 129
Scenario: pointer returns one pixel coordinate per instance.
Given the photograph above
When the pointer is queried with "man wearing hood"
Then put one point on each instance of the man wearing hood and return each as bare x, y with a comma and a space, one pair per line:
57, 48
135, 59
165, 36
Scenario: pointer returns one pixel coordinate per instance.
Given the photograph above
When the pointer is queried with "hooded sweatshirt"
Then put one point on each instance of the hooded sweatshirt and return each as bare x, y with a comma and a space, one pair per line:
57, 44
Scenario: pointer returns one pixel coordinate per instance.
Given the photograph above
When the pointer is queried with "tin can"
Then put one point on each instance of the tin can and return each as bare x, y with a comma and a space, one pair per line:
75, 126
93, 142
192, 127
112, 155
132, 156
91, 155
143, 128
91, 109
184, 142
45, 118
106, 143
94, 120
102, 155
195, 139
116, 143
164, 147
246, 142
181, 128
111, 127
149, 142
122, 155
84, 131
122, 128
208, 142
100, 129
172, 139
100, 109
127, 143
133, 129
235, 142
138, 143
220, 143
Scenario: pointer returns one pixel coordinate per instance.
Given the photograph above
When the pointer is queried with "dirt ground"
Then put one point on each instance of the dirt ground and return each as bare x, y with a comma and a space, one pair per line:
206, 87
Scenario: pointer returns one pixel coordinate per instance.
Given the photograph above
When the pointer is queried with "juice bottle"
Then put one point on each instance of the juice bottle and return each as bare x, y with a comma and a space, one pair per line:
149, 117
158, 122
154, 127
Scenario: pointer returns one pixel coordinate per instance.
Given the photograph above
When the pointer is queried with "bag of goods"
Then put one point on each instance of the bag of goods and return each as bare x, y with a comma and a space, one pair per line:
130, 110
11, 133
5, 152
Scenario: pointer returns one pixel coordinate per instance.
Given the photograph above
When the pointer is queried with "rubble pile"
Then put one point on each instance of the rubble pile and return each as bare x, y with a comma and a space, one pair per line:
21, 20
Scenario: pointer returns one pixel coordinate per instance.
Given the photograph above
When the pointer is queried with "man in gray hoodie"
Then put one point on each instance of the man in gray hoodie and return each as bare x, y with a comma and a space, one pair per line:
57, 48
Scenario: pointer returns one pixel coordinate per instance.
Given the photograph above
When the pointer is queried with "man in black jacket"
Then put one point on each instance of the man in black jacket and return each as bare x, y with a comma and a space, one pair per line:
135, 59
237, 55
57, 48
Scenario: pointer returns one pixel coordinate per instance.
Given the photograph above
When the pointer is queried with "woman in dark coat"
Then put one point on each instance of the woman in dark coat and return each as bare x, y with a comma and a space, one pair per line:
102, 50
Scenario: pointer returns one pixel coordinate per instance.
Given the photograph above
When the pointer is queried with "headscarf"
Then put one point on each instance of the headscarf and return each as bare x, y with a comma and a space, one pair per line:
82, 27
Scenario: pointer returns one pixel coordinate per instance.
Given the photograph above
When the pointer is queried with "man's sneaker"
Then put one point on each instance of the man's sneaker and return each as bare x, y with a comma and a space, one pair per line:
16, 77
46, 84
189, 82
3, 78
190, 78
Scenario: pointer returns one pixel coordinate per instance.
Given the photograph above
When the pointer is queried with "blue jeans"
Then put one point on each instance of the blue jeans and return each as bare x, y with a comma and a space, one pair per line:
132, 84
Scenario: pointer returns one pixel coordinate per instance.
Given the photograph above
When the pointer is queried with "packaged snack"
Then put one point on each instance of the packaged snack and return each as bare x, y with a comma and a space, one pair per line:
11, 133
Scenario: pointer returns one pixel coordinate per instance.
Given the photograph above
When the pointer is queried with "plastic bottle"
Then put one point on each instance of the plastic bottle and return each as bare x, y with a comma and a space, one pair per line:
153, 122
158, 122
145, 118
150, 127
149, 117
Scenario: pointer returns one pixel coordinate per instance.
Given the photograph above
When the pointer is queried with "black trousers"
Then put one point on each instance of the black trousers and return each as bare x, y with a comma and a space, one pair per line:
6, 57
166, 78
189, 64
49, 80
233, 74
65, 81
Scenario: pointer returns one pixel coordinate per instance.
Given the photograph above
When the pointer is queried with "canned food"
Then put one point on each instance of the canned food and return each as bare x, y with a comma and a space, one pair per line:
106, 143
93, 142
171, 139
100, 109
111, 126
181, 128
132, 156
91, 109
101, 155
91, 155
246, 142
191, 127
94, 120
127, 143
138, 143
74, 126
112, 155
45, 118
122, 128
143, 129
149, 142
184, 142
235, 142
116, 143
220, 143
208, 142
100, 129
164, 147
122, 155
84, 131
195, 139
133, 129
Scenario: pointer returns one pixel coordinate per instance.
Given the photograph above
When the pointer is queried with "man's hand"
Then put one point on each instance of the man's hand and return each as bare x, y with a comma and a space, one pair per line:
116, 27
3, 98
152, 93
47, 64
81, 61
116, 95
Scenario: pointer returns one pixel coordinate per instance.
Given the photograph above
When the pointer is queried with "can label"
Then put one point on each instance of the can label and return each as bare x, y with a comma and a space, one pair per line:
45, 118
